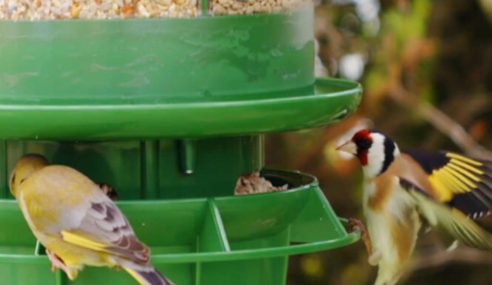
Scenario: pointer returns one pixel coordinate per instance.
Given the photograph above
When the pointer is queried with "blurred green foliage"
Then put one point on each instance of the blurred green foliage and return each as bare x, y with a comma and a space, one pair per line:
414, 54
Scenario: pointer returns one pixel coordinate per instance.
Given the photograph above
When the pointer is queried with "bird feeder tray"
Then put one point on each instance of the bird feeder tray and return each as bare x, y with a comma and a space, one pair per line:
326, 101
155, 78
222, 240
170, 112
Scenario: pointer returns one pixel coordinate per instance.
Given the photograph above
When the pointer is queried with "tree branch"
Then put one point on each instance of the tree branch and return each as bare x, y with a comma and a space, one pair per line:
440, 121
442, 258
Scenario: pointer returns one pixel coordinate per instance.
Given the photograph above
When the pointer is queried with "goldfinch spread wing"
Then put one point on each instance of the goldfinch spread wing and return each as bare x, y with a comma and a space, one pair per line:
104, 228
460, 226
458, 181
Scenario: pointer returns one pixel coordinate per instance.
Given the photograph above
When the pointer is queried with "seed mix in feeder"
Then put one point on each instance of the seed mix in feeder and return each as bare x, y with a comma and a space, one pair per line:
233, 7
253, 183
95, 9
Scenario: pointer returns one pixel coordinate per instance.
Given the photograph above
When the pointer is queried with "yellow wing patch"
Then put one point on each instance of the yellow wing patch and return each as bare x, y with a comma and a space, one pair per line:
82, 241
459, 175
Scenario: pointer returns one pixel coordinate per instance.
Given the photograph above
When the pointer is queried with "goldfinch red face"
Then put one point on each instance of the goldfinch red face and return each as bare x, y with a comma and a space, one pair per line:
374, 150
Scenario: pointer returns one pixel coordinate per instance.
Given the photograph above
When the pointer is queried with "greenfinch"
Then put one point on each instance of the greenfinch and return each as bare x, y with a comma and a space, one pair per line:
76, 222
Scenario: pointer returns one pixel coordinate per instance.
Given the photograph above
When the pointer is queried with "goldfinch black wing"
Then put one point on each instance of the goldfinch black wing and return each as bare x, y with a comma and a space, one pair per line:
451, 220
461, 182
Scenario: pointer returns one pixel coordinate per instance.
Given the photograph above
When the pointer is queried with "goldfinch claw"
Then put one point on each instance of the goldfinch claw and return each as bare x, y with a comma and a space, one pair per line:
357, 225
374, 258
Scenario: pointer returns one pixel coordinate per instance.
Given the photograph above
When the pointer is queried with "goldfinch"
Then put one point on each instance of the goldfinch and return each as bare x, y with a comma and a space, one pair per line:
77, 223
403, 188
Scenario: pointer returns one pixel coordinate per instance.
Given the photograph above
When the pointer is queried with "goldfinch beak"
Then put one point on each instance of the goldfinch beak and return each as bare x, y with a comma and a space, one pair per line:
348, 147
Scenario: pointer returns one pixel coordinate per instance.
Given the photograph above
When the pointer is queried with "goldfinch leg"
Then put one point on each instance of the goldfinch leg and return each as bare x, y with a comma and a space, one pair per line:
357, 225
374, 258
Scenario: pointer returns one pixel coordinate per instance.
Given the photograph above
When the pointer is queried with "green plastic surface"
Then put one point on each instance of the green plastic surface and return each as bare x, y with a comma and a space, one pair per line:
148, 169
200, 241
154, 60
330, 101
134, 79
172, 111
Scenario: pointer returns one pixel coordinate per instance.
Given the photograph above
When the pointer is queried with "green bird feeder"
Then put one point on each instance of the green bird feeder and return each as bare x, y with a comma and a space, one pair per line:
170, 112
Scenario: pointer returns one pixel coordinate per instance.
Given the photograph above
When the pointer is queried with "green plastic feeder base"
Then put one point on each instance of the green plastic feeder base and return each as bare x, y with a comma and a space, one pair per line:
165, 78
243, 240
170, 112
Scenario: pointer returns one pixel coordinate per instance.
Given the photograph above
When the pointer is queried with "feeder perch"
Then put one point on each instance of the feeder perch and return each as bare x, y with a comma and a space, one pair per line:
170, 112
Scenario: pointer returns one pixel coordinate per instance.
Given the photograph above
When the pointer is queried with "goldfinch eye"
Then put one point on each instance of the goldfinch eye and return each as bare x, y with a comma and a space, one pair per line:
363, 143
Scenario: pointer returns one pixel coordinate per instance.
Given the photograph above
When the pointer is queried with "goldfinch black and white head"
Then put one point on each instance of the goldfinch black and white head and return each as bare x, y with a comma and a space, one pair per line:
374, 150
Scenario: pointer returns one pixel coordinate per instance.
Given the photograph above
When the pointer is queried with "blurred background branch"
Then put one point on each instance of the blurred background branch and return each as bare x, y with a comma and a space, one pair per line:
441, 121
426, 69
443, 257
